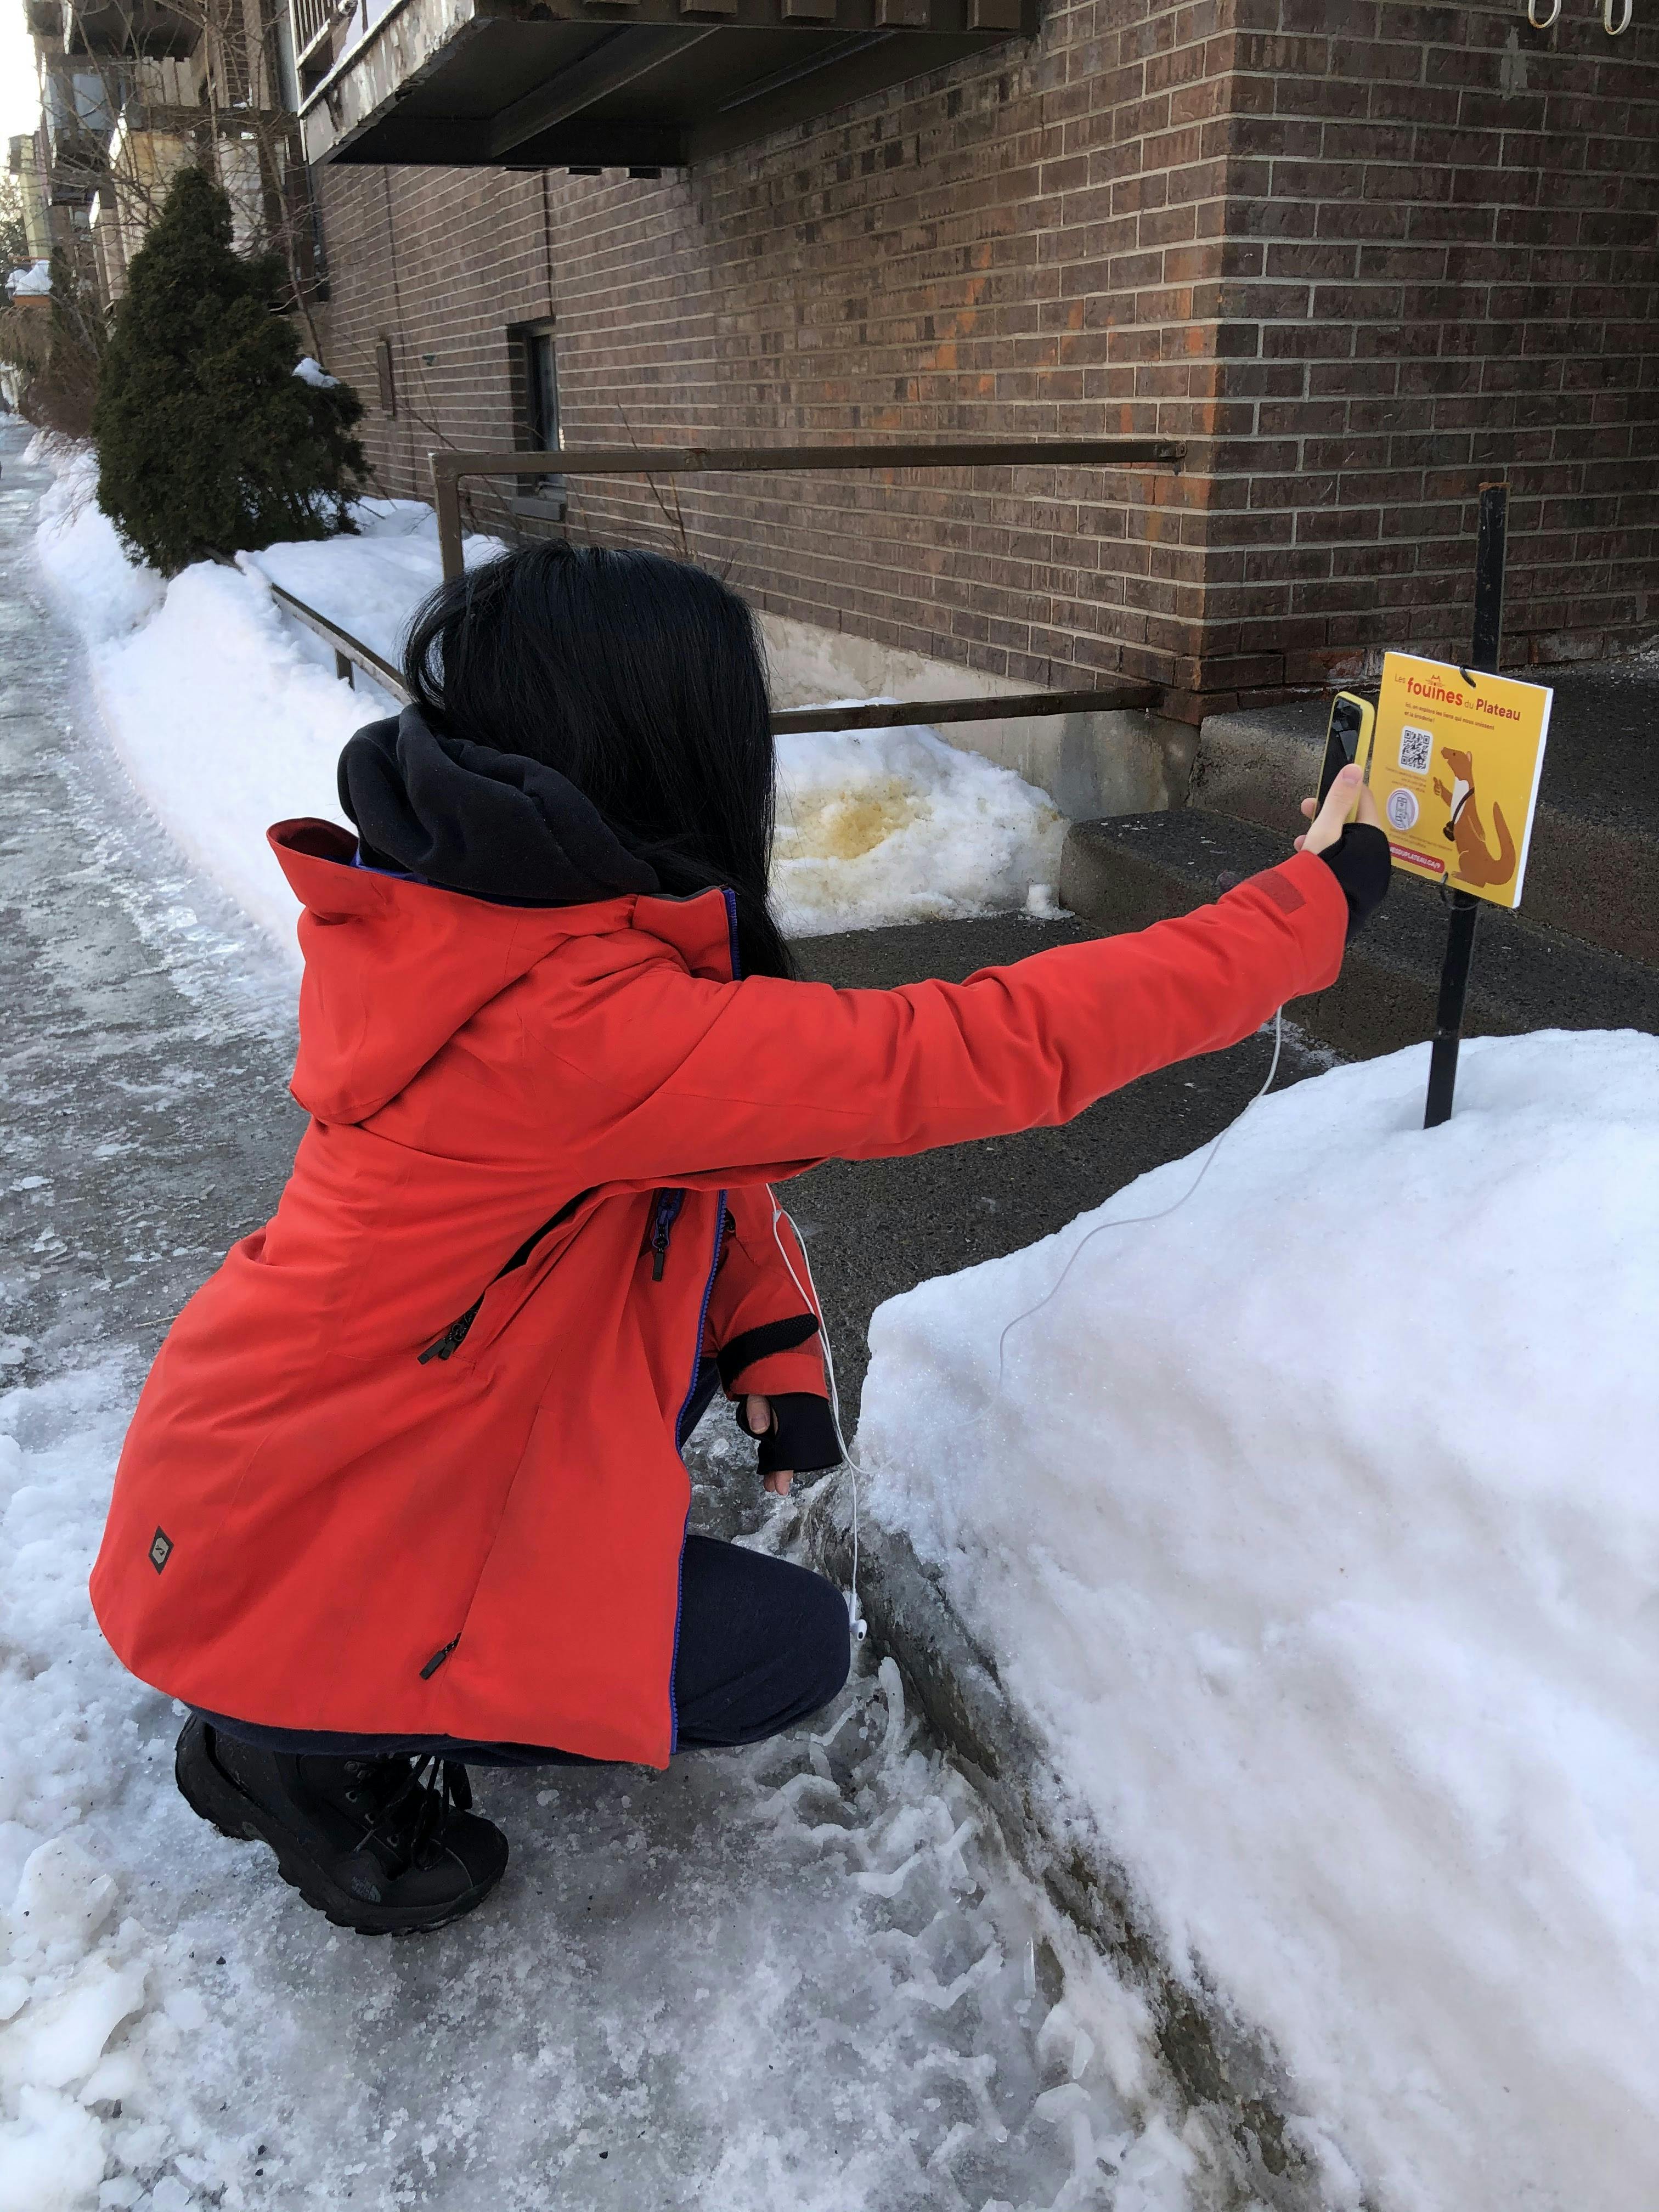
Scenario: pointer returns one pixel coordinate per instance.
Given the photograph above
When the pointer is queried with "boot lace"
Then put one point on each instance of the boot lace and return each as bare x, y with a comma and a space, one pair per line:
409, 1825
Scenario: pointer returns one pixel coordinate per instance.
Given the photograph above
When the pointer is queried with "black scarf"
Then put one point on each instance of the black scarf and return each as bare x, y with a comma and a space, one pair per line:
468, 818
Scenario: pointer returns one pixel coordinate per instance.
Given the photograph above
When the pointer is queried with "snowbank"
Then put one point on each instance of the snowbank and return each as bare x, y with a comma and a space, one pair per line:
370, 584
34, 283
97, 2012
895, 825
1316, 1526
226, 724
228, 717
102, 591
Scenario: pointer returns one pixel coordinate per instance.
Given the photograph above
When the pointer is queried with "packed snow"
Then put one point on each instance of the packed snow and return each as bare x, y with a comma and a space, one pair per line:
800, 1976
228, 716
34, 283
895, 825
311, 371
1315, 1522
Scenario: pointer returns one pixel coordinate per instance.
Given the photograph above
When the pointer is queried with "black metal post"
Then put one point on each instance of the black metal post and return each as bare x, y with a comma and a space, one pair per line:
1487, 637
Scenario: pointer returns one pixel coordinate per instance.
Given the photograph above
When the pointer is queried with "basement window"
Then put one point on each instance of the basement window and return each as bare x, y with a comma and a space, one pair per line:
534, 368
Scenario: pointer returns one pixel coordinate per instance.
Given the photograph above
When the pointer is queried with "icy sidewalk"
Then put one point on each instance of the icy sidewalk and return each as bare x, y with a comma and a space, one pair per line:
803, 1977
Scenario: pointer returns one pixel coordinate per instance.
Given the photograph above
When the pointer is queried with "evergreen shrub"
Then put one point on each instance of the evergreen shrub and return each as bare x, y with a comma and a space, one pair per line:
207, 441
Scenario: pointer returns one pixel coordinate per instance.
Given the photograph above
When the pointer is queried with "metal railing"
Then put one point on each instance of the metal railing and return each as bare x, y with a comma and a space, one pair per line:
351, 653
449, 467
310, 20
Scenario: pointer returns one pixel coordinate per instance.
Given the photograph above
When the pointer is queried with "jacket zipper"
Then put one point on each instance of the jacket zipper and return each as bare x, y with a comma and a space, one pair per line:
721, 1219
669, 1203
454, 1336
665, 1214
446, 1345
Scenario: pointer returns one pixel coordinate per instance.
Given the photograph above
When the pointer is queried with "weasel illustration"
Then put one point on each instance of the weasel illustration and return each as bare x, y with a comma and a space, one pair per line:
1474, 863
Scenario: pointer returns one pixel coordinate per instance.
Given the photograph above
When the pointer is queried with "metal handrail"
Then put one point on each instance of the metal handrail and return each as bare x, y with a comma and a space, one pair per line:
449, 466
351, 653
994, 707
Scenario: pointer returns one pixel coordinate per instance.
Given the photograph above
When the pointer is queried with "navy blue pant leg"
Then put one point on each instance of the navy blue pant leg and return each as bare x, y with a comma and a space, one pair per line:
762, 1643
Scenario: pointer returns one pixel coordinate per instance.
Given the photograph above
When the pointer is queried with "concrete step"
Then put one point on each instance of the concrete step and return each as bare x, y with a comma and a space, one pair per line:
1593, 867
1133, 869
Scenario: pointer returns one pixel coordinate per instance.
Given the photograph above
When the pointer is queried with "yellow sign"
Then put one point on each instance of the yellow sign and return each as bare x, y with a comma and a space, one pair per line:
1454, 766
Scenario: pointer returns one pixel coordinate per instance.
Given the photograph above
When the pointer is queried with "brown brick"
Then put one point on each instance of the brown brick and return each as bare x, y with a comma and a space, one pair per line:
1325, 240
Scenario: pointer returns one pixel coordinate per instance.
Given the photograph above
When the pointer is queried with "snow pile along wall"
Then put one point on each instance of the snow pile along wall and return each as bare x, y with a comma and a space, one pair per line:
1315, 1526
103, 592
895, 825
228, 716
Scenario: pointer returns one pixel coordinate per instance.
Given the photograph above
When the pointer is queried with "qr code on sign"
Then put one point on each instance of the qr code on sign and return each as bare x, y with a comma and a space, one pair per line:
1416, 749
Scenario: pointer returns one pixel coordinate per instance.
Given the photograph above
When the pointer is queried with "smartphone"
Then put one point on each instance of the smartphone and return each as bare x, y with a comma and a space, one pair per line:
1347, 738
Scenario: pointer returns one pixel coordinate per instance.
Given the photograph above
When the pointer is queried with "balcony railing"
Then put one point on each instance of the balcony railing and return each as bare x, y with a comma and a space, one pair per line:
310, 20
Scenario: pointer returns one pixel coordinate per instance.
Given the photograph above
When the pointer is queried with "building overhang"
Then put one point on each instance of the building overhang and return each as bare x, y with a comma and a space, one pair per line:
617, 83
126, 30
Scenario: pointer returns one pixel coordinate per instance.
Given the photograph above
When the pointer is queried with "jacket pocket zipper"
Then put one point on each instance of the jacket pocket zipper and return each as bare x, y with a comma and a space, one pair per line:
446, 1345
669, 1203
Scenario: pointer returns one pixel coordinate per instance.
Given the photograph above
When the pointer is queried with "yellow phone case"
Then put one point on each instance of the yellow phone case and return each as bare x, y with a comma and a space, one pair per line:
1362, 736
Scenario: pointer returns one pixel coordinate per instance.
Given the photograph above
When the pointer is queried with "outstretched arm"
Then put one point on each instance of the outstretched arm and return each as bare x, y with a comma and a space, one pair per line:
760, 1078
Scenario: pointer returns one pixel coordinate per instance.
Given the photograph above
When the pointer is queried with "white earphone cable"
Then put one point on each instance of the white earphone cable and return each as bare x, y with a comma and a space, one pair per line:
809, 1291
1136, 1220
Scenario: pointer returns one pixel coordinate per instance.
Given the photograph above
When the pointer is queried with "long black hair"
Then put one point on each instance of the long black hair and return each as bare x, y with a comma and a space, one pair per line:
641, 678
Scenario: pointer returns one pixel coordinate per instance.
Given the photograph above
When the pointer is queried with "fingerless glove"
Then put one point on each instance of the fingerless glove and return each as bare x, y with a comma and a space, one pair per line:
1360, 861
802, 1437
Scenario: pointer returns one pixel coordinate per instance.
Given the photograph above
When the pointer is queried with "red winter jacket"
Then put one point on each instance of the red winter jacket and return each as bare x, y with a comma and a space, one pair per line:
316, 1525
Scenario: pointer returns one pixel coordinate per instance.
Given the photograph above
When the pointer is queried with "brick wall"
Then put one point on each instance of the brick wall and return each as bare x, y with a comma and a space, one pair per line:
1360, 255
1442, 236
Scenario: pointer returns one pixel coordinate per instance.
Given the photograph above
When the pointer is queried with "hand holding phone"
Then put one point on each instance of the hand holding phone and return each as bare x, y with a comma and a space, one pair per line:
1347, 739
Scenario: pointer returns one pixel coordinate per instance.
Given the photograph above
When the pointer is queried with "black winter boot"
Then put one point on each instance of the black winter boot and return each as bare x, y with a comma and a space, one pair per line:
383, 1846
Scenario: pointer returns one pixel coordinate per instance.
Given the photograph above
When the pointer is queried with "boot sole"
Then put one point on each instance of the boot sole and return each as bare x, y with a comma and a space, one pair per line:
210, 1793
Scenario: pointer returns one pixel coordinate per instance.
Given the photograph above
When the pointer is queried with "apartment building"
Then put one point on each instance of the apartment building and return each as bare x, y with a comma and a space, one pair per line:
131, 90
1356, 257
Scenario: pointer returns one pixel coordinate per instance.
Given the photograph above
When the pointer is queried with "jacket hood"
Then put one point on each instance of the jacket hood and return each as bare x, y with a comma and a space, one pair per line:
496, 825
395, 969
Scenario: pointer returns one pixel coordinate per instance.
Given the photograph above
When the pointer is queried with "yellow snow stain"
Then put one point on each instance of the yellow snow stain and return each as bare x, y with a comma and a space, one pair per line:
845, 825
